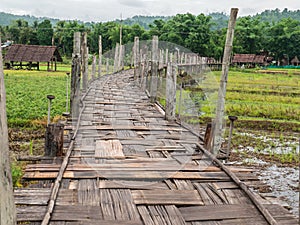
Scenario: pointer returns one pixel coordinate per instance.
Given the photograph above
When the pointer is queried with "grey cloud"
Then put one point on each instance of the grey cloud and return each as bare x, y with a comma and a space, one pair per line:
133, 3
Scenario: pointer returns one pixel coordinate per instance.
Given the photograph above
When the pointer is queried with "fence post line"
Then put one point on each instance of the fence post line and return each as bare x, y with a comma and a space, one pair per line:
223, 83
100, 56
75, 75
116, 60
171, 91
84, 50
7, 205
154, 67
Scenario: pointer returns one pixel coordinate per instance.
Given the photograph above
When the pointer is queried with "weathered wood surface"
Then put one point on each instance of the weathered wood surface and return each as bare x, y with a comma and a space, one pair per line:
7, 208
130, 166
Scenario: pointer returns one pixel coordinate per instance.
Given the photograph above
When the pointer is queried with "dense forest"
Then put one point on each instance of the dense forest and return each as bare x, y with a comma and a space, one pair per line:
273, 31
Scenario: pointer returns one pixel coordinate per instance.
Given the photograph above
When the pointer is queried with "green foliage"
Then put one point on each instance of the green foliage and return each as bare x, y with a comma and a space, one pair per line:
45, 33
17, 173
273, 32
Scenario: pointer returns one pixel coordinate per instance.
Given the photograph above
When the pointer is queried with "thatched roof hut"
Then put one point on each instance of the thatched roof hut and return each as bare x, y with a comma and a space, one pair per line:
18, 54
295, 61
248, 59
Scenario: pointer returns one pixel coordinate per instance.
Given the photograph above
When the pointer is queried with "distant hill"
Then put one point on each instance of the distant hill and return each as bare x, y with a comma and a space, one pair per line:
143, 21
276, 15
6, 19
219, 20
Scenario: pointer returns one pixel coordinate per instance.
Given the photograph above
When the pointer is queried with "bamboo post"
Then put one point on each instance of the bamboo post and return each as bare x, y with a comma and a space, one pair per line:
171, 91
120, 59
94, 67
123, 57
222, 91
116, 57
100, 56
167, 57
85, 59
7, 203
107, 66
75, 76
136, 49
154, 67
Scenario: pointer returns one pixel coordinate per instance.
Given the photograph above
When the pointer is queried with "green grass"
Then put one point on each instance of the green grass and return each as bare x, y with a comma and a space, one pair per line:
27, 95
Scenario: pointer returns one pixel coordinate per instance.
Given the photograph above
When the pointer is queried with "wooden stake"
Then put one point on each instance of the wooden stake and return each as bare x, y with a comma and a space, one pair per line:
154, 67
75, 76
54, 140
136, 49
7, 203
85, 61
116, 58
222, 91
100, 56
94, 67
171, 91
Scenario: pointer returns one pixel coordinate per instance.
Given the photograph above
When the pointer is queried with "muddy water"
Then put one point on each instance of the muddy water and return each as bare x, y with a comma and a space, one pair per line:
284, 183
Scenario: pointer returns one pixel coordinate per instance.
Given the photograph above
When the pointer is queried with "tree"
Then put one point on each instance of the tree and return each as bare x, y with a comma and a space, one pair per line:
199, 37
250, 35
65, 33
7, 204
284, 38
45, 33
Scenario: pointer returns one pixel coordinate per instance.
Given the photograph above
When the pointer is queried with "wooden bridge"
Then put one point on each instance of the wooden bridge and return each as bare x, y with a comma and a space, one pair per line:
125, 164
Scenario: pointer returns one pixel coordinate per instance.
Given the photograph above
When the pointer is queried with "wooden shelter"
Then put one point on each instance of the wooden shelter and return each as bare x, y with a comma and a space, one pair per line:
295, 61
249, 59
32, 55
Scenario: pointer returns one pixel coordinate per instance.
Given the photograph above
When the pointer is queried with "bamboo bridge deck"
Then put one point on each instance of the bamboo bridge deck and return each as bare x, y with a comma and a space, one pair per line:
129, 166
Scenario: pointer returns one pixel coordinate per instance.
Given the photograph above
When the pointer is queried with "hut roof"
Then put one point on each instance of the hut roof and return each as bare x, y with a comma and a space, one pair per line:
32, 53
248, 58
295, 60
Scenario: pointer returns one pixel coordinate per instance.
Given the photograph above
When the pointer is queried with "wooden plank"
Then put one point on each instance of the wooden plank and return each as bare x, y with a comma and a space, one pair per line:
109, 149
166, 197
120, 174
128, 184
218, 212
105, 222
135, 128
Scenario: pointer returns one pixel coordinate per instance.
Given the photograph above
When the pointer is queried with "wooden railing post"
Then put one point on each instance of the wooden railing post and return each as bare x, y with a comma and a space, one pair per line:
116, 60
75, 76
171, 91
85, 61
7, 203
94, 67
121, 57
154, 68
136, 49
223, 83
100, 56
107, 65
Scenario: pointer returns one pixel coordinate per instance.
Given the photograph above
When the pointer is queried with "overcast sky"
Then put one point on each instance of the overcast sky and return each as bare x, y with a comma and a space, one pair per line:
105, 10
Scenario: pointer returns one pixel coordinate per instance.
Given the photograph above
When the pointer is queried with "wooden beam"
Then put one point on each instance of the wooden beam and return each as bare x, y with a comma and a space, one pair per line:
7, 204
223, 83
